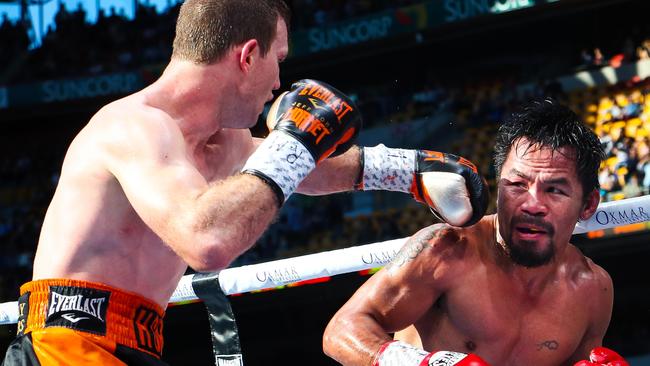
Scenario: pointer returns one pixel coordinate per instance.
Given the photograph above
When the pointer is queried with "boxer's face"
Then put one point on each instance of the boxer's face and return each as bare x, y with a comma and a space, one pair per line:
267, 77
539, 202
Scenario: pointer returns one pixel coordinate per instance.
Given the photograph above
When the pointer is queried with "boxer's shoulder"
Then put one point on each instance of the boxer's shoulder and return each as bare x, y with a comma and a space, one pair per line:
129, 123
583, 271
440, 250
586, 277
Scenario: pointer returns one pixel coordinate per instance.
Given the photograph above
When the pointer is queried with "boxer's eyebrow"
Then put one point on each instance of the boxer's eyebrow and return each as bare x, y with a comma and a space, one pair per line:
556, 181
522, 175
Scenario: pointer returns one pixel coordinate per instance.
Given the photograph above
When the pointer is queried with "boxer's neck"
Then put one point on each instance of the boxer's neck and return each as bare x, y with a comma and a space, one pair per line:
197, 97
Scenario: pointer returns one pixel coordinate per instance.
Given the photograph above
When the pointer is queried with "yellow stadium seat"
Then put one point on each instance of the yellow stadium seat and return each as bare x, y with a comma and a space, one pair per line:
634, 122
592, 108
619, 125
621, 100
590, 120
642, 133
631, 130
617, 196
611, 162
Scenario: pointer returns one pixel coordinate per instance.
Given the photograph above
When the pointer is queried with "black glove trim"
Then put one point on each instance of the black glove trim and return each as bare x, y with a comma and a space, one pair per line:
279, 195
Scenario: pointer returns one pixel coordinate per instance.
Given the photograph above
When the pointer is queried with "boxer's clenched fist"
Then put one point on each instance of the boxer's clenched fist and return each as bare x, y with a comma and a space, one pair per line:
310, 122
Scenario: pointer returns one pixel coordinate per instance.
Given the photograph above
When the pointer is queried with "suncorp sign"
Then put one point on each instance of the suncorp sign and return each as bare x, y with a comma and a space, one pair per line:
62, 90
349, 33
456, 10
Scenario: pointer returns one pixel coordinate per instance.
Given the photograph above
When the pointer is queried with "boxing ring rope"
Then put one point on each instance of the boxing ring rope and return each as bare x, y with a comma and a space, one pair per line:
308, 267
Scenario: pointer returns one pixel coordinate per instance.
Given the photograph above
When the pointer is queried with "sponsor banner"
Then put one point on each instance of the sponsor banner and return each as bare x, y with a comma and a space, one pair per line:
388, 23
459, 10
359, 30
617, 213
286, 271
72, 89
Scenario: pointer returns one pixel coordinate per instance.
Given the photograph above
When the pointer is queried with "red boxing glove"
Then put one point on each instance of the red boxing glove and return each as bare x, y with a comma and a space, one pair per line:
601, 356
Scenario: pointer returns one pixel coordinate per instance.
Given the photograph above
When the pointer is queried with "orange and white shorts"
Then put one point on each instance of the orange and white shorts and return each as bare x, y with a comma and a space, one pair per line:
70, 322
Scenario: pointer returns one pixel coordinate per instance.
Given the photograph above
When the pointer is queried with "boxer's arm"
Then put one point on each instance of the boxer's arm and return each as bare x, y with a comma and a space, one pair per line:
600, 295
208, 225
332, 175
393, 298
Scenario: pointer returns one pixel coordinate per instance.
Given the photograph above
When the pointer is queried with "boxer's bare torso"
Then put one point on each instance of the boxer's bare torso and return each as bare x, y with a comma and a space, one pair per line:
92, 231
453, 289
485, 307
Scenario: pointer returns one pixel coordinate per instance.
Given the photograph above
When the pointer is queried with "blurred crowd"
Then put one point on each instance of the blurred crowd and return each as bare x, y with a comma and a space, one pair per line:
622, 124
72, 47
631, 50
27, 182
14, 43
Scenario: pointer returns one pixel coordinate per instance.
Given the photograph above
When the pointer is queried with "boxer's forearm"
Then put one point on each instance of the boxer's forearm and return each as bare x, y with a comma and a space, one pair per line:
227, 220
353, 339
335, 174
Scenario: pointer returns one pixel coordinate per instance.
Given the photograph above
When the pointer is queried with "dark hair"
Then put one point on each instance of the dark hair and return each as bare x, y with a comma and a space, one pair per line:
207, 29
546, 123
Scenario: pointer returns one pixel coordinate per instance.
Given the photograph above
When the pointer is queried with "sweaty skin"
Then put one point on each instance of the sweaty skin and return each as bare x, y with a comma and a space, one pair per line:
149, 186
456, 289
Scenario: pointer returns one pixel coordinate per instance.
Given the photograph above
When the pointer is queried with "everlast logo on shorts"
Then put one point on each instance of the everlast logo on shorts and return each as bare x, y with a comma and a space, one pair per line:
148, 327
77, 308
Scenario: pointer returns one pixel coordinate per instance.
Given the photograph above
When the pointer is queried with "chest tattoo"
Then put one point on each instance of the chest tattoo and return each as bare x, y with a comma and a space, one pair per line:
550, 345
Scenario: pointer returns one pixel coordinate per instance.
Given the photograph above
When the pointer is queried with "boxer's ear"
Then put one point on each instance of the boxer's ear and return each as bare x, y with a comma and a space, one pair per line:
248, 54
590, 205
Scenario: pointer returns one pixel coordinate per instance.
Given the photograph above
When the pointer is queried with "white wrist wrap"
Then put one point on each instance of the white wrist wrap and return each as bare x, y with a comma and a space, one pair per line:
446, 358
398, 353
388, 169
283, 159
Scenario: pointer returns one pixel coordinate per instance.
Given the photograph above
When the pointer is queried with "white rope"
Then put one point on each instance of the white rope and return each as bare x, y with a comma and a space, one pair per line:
286, 271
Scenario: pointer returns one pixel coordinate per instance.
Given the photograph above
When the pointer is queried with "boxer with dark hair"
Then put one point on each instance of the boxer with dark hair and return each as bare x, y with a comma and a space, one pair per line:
510, 290
170, 176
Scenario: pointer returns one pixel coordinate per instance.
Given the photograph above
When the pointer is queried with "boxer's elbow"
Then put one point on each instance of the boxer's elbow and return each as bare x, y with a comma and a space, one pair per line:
332, 337
209, 257
329, 341
207, 250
